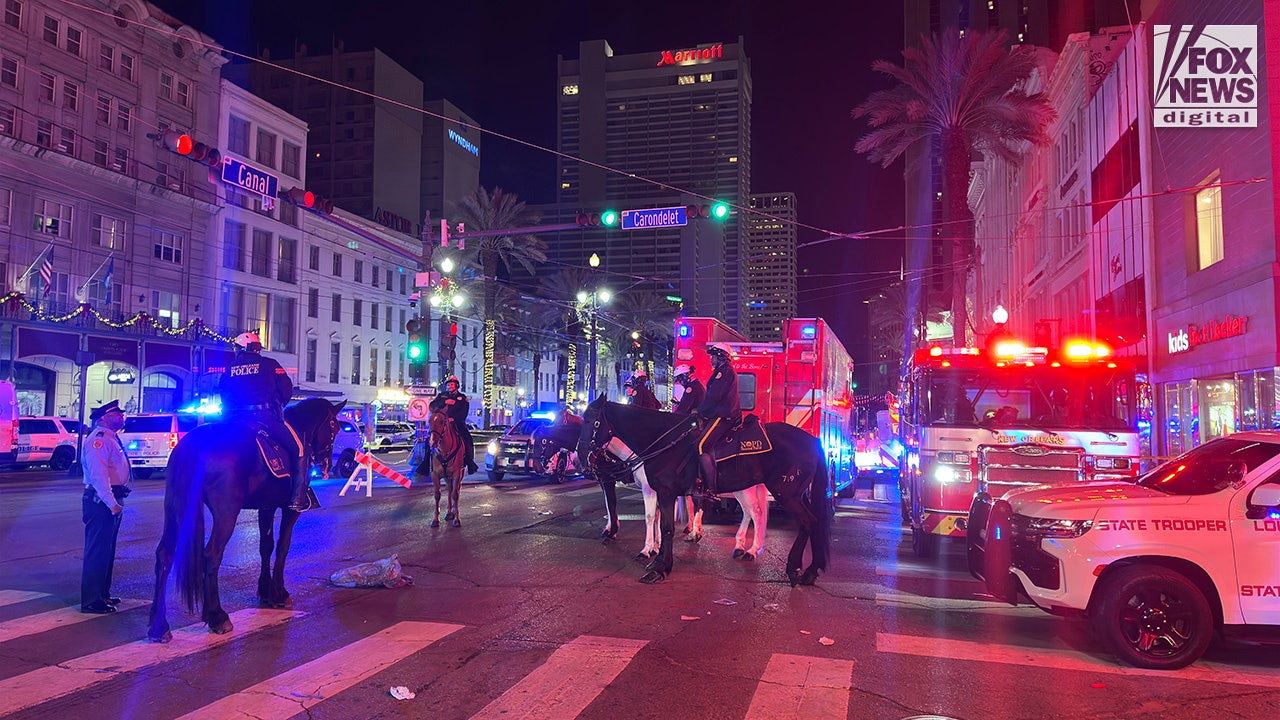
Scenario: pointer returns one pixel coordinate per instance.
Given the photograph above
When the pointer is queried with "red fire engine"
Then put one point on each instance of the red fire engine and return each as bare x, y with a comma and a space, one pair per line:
997, 418
804, 380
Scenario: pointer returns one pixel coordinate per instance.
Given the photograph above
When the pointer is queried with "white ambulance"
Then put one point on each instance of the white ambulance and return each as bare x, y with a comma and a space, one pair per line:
8, 422
1157, 564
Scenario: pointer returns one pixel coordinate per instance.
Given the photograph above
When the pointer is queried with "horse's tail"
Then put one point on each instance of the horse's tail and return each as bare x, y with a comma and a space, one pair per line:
820, 506
183, 503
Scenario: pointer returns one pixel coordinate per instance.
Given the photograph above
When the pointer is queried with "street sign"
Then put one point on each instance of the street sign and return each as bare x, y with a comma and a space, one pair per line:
422, 390
249, 178
419, 409
654, 218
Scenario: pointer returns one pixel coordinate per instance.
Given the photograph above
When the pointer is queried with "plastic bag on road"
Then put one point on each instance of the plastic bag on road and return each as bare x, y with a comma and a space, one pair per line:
382, 573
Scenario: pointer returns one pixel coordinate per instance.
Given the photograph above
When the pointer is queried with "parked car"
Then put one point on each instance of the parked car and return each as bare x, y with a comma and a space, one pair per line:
512, 452
8, 421
393, 434
349, 441
149, 439
49, 440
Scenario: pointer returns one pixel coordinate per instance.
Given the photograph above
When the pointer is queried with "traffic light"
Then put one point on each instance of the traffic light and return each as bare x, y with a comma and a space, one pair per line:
715, 211
309, 200
448, 339
607, 218
416, 352
182, 144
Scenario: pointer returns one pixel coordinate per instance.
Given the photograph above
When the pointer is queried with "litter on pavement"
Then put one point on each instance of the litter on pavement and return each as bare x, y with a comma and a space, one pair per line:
401, 692
725, 601
383, 573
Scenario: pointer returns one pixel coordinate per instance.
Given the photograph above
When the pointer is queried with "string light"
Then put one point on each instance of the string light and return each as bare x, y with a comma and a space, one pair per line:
195, 326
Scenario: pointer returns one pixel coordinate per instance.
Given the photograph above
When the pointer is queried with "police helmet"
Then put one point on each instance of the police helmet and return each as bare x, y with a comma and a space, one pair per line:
682, 371
451, 379
248, 339
719, 348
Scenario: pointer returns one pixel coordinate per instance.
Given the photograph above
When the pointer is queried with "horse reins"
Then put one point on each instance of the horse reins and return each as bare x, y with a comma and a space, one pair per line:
634, 460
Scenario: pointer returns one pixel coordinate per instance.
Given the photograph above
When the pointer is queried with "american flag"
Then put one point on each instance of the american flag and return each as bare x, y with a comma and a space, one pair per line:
106, 279
46, 273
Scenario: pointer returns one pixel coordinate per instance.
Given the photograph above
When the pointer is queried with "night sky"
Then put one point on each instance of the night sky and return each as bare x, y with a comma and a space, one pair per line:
810, 64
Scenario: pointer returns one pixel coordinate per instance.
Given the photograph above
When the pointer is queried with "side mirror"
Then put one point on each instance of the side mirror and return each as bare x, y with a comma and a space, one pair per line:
1263, 500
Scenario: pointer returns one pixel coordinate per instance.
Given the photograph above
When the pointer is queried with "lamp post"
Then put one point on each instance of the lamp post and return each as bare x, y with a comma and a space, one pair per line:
590, 303
447, 296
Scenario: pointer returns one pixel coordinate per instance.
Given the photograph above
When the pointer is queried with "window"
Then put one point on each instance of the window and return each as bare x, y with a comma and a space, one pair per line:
313, 302
102, 109
121, 161
164, 309
404, 285
126, 66
335, 314
359, 271
377, 276
373, 366
1209, 224
6, 204
402, 321
266, 148
290, 159
166, 85
313, 261
311, 359
255, 315
233, 235
73, 39
66, 140
50, 34
124, 117
389, 276
355, 365
13, 14
166, 246
238, 136
8, 71
357, 311
386, 368
108, 232
106, 57
373, 316
337, 264
53, 218
70, 96
288, 213
335, 361
47, 83
260, 256
282, 311
287, 267
183, 96
233, 307
8, 121
389, 317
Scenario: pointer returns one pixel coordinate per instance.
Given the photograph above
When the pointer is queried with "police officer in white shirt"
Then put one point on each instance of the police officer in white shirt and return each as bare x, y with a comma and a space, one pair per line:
107, 483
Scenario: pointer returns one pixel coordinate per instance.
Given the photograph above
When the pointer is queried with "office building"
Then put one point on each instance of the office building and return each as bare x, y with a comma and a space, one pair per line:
769, 265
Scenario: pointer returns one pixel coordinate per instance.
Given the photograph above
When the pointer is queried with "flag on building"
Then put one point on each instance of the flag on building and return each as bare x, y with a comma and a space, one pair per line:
46, 273
107, 279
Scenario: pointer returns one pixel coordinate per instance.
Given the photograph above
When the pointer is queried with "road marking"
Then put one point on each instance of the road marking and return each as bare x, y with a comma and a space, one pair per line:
48, 683
924, 602
1054, 659
305, 686
12, 597
799, 686
567, 682
42, 622
923, 571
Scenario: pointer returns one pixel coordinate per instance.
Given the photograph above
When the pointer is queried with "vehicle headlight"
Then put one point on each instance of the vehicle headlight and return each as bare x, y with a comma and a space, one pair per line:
492, 447
947, 474
1056, 528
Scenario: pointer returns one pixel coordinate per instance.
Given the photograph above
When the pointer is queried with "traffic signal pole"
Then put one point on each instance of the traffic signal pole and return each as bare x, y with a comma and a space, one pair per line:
419, 454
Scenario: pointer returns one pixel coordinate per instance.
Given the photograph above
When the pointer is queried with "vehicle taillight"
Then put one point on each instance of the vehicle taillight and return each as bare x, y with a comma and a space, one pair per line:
173, 440
1111, 465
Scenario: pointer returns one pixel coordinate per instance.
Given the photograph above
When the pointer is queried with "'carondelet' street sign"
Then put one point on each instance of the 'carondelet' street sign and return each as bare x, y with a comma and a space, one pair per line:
250, 178
653, 218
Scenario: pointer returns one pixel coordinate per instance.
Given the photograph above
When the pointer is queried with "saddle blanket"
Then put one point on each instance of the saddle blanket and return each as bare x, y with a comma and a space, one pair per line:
273, 455
749, 438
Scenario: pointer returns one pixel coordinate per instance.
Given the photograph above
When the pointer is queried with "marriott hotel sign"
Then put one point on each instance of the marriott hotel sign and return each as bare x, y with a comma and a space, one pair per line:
1193, 336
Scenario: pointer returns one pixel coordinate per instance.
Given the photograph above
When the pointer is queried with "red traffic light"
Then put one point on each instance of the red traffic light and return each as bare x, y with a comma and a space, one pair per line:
298, 196
453, 329
177, 142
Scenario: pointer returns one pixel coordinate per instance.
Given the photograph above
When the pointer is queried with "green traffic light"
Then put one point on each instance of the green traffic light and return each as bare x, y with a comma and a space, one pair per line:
609, 218
720, 211
416, 352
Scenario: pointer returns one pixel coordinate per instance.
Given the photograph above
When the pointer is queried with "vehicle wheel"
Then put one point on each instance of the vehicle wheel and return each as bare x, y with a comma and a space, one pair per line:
848, 490
1154, 617
142, 473
61, 458
346, 463
495, 475
923, 544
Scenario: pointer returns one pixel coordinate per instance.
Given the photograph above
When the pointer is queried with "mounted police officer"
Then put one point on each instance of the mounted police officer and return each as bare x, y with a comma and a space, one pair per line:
641, 395
254, 390
456, 407
693, 392
722, 407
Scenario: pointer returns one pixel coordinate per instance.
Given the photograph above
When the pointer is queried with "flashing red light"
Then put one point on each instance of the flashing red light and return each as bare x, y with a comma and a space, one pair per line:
935, 351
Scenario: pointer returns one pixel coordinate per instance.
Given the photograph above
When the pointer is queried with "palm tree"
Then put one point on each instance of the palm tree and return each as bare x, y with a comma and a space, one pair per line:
561, 292
483, 211
966, 94
893, 325
647, 313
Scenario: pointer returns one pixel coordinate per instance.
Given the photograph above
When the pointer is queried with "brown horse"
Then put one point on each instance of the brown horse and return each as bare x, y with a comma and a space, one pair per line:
218, 466
448, 463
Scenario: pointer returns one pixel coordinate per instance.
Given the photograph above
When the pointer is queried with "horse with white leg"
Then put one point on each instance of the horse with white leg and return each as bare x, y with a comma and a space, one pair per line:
754, 502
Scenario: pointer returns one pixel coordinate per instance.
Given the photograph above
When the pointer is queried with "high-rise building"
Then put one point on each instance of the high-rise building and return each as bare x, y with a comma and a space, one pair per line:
450, 157
679, 117
364, 154
769, 265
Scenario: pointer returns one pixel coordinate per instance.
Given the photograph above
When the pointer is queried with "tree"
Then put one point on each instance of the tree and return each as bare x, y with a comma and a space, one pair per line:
484, 211
966, 94
645, 312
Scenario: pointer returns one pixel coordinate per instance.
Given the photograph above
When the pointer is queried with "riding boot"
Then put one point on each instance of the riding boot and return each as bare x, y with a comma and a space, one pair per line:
708, 473
299, 501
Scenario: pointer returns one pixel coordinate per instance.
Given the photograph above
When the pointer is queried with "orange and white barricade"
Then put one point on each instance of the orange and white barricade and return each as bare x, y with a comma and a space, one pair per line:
368, 465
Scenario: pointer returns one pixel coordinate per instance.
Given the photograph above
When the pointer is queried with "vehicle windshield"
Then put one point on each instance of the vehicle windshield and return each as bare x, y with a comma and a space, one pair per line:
527, 426
1209, 468
148, 424
1037, 397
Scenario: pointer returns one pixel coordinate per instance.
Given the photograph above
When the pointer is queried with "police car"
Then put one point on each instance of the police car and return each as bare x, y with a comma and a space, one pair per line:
1157, 564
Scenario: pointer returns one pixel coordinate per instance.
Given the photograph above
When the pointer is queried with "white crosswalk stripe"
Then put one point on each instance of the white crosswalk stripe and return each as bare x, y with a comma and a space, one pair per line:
12, 597
304, 687
23, 691
62, 617
802, 687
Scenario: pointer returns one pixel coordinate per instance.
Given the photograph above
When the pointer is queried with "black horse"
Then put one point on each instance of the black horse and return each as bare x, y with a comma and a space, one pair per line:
218, 466
795, 472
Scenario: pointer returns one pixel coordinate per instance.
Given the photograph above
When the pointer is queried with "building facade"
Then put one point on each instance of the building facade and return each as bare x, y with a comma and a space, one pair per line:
451, 147
769, 265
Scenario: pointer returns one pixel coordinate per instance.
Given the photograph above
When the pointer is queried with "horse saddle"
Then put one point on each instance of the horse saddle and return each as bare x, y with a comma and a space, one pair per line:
275, 456
748, 438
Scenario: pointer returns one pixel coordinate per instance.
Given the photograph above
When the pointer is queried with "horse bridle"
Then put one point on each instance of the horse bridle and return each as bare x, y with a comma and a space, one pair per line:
445, 458
599, 455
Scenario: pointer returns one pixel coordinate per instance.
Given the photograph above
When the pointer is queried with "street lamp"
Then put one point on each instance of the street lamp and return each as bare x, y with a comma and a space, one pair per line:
589, 303
447, 295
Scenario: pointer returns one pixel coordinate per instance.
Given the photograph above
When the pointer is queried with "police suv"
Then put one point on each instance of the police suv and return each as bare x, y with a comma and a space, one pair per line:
1157, 564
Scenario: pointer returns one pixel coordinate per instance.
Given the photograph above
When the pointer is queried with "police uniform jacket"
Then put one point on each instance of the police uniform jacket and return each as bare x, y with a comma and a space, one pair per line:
253, 380
455, 405
694, 394
722, 399
644, 397
104, 463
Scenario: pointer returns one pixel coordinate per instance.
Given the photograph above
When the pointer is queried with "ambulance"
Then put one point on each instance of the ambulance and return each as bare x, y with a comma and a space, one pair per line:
8, 422
805, 379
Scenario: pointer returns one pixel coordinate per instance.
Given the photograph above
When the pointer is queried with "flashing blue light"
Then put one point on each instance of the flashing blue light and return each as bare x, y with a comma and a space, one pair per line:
544, 415
134, 445
809, 331
1274, 515
315, 472
683, 331
997, 534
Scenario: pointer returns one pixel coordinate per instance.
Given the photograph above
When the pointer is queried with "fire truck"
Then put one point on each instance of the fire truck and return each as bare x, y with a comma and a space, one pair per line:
804, 380
1008, 416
